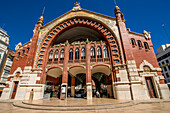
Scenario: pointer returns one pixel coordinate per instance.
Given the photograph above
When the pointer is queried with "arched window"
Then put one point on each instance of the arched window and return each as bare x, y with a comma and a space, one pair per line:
17, 74
83, 53
105, 52
133, 42
28, 49
56, 55
92, 52
99, 52
71, 54
18, 53
139, 43
146, 69
23, 51
77, 53
62, 55
146, 45
51, 55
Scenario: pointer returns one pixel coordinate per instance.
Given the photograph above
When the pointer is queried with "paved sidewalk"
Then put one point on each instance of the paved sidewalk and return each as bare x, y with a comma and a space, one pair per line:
7, 101
97, 105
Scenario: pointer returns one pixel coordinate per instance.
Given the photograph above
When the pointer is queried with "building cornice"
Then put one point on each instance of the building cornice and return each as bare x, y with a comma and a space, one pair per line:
131, 32
4, 42
75, 12
26, 44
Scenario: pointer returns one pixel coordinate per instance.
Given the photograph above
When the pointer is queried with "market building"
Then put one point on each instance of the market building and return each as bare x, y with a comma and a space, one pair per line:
84, 51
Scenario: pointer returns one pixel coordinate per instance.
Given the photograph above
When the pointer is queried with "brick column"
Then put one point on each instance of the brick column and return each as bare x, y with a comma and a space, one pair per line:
65, 73
74, 53
95, 49
33, 46
79, 55
88, 72
124, 36
53, 55
72, 86
102, 52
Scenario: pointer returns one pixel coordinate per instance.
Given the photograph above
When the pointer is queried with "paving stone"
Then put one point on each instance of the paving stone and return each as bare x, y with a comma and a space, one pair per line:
147, 106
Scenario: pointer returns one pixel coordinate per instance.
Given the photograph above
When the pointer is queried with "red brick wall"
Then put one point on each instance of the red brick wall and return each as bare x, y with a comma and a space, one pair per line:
141, 54
19, 61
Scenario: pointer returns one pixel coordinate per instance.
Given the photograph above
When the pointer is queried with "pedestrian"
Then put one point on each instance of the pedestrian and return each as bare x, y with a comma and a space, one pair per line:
97, 94
31, 95
101, 93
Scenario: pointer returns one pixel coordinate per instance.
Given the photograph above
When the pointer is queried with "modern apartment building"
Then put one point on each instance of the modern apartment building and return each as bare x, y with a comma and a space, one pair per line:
163, 57
4, 42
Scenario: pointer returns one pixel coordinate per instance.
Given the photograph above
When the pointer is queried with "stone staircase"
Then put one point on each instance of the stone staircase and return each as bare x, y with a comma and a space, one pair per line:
27, 105
81, 104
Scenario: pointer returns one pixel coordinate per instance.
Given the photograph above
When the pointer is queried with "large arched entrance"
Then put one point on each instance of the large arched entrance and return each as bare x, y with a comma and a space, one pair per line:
79, 41
101, 75
80, 86
53, 82
87, 22
99, 80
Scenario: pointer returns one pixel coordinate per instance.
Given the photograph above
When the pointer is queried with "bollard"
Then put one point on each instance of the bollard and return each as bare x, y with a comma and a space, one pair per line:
31, 95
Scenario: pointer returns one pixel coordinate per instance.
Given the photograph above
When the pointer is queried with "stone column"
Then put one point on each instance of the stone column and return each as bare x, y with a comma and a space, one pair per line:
72, 86
88, 72
113, 75
65, 73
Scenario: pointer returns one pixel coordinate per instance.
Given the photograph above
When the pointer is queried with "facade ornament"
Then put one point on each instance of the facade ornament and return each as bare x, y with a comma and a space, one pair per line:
18, 46
76, 7
145, 63
147, 35
122, 16
87, 41
17, 75
128, 29
117, 10
67, 43
41, 20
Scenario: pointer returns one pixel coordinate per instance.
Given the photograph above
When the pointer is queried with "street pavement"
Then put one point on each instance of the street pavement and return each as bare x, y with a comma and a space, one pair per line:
154, 106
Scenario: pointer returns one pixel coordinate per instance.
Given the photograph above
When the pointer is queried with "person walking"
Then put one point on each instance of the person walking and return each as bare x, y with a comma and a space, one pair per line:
97, 94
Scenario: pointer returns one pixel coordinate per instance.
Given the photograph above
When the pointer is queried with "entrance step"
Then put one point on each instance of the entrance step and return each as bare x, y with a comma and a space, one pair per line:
73, 107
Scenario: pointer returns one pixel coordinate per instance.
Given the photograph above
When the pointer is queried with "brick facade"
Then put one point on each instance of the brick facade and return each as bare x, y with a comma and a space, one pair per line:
128, 54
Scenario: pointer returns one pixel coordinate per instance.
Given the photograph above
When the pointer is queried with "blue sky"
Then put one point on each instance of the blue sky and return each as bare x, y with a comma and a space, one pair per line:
20, 16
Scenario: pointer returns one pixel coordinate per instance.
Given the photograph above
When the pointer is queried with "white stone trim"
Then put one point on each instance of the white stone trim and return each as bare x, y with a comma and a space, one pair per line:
31, 85
11, 87
155, 81
17, 70
88, 84
146, 63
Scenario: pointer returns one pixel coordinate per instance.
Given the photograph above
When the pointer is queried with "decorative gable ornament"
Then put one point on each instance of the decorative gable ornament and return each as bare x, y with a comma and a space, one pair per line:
18, 46
76, 7
147, 35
